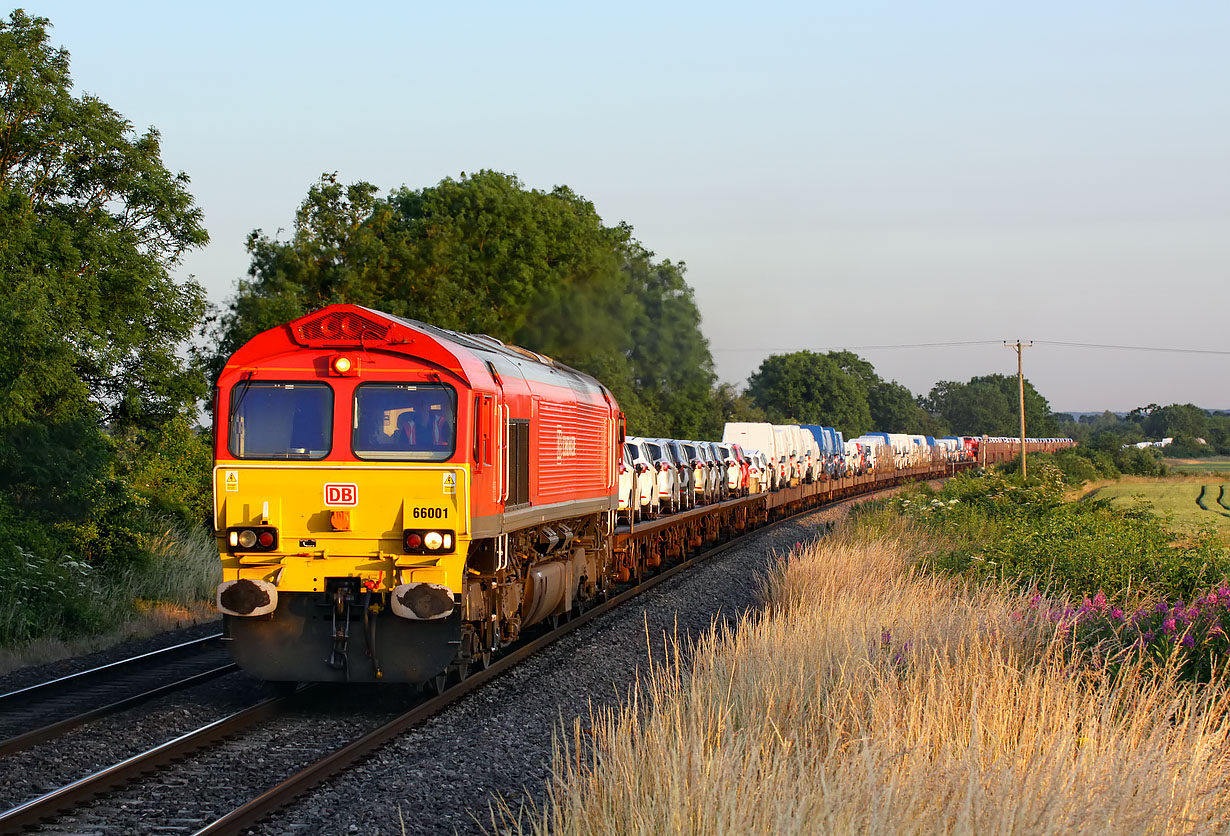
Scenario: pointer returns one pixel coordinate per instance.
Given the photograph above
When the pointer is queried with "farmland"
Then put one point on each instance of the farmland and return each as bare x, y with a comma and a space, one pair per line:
1214, 464
1192, 503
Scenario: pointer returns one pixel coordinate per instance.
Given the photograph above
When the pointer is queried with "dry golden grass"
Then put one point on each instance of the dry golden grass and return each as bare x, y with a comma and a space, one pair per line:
873, 699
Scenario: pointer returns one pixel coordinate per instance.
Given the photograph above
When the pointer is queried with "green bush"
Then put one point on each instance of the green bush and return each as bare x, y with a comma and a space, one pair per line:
1028, 535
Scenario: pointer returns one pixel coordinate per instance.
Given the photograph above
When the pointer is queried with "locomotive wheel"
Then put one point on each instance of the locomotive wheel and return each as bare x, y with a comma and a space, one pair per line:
481, 660
436, 685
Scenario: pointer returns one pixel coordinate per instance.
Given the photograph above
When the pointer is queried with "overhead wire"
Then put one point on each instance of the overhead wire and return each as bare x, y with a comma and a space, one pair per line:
1060, 343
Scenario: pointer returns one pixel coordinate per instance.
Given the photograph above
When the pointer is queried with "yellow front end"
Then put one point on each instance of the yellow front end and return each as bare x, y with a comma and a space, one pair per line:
342, 522
338, 557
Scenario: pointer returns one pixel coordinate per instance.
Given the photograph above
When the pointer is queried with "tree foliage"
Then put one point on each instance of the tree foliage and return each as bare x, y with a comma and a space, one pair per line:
893, 407
810, 388
91, 224
989, 405
483, 254
838, 389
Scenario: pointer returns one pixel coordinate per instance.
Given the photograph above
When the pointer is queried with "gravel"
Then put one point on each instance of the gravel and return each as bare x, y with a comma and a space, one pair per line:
444, 776
24, 677
89, 748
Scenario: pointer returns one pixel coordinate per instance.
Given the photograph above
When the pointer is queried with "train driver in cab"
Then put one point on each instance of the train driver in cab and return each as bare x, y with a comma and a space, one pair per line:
396, 421
428, 426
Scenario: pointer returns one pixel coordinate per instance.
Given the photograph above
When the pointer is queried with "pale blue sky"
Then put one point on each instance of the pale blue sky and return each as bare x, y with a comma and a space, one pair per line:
833, 175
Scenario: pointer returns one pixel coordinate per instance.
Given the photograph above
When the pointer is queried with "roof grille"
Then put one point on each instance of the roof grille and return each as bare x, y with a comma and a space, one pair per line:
341, 328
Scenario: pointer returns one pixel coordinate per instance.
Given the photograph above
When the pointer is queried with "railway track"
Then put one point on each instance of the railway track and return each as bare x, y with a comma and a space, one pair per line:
321, 766
37, 713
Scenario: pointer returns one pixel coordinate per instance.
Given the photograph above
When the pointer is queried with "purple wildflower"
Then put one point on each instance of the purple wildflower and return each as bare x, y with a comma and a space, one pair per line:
886, 637
1188, 641
1168, 626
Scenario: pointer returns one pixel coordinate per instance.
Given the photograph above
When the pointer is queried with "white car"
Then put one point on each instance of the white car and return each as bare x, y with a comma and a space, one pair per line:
666, 473
701, 483
629, 504
683, 466
646, 487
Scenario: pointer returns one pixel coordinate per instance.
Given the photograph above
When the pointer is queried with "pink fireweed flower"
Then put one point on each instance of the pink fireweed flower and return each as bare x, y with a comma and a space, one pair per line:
1117, 614
1168, 626
1099, 600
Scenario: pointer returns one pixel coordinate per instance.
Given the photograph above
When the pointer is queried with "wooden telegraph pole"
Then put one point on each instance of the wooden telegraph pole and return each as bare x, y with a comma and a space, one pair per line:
1018, 347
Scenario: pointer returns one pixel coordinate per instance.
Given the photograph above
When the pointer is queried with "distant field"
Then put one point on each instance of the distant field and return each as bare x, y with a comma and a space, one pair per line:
1215, 464
1181, 498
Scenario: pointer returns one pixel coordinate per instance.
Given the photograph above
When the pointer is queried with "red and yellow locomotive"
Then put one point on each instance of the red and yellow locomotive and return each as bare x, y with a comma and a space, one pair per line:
392, 499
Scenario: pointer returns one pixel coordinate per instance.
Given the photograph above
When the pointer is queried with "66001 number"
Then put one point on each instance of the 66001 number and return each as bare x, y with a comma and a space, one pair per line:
429, 513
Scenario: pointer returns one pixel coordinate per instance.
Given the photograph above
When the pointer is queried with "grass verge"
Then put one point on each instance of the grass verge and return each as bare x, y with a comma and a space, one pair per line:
172, 588
875, 697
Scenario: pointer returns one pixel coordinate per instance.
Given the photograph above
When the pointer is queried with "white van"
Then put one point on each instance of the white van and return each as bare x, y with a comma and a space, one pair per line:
817, 457
787, 476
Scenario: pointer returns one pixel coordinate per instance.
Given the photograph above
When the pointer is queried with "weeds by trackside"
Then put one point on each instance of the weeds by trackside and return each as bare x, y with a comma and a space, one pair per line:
875, 697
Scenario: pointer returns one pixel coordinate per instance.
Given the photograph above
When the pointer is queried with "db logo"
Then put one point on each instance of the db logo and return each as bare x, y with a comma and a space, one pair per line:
340, 494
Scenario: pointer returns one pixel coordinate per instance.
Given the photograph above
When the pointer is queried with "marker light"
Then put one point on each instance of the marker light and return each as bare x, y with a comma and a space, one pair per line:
265, 538
414, 541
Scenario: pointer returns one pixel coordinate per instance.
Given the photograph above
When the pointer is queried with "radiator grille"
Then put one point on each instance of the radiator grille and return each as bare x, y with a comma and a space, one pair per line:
341, 328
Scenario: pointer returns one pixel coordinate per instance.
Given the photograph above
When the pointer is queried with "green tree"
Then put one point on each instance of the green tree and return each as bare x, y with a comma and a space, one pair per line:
736, 406
989, 405
810, 388
893, 407
483, 254
1177, 420
91, 225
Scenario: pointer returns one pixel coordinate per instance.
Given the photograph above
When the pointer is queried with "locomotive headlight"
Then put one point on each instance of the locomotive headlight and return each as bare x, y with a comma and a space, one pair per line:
341, 365
421, 541
247, 538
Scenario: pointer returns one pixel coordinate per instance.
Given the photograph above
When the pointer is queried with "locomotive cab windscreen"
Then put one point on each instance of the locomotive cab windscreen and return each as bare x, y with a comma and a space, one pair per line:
281, 420
401, 422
